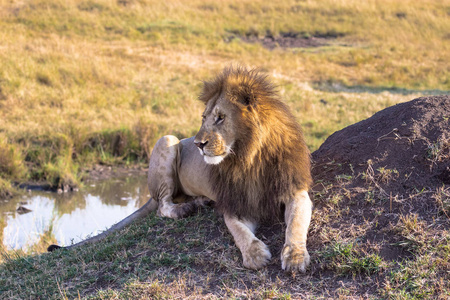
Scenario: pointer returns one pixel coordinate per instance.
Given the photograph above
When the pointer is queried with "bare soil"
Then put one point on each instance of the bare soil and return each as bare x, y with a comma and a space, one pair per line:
97, 172
382, 170
402, 137
288, 40
101, 172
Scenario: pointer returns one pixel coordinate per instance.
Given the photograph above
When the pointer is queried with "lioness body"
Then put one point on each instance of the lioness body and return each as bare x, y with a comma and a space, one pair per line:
249, 156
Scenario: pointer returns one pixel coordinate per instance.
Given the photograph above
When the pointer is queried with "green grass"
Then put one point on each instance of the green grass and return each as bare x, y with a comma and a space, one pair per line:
196, 258
347, 259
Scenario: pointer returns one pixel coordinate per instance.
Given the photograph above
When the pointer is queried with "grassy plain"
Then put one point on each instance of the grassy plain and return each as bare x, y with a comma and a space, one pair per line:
96, 81
84, 82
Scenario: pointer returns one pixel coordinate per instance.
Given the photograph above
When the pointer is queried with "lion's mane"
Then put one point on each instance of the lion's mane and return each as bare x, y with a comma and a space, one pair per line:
270, 160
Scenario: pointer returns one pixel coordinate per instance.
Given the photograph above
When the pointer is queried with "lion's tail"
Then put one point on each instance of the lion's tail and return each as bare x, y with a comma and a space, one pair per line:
147, 208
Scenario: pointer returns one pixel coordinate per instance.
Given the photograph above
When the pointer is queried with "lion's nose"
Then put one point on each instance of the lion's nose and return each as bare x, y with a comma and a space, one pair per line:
200, 145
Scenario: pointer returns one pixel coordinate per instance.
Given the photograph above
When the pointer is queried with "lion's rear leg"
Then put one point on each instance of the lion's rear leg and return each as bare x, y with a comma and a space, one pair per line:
163, 179
185, 206
255, 253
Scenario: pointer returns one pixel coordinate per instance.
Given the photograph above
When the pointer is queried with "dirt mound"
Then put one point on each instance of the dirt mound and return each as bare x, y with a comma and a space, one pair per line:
383, 184
408, 142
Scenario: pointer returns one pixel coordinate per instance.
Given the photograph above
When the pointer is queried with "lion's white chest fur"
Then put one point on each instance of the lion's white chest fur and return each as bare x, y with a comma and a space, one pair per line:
215, 160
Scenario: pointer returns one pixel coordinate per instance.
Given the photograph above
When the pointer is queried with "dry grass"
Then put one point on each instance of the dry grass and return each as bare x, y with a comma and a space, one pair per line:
77, 74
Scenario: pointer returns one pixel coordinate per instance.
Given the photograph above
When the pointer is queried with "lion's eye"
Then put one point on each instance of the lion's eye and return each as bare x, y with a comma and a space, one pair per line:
220, 118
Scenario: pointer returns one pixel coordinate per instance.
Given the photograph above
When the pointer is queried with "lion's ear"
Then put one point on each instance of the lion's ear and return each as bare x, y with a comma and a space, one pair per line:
246, 96
210, 89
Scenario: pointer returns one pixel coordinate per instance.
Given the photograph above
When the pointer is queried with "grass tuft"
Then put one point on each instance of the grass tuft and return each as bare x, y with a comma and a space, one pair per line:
442, 198
351, 260
12, 164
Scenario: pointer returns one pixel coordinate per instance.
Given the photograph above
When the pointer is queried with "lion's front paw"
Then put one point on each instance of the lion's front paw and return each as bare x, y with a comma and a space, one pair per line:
257, 255
294, 258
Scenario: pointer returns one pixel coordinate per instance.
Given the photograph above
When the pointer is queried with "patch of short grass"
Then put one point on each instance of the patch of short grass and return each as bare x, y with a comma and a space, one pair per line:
196, 258
422, 277
154, 258
348, 258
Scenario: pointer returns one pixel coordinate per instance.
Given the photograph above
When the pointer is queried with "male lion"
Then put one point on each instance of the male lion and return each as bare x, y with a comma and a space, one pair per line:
249, 156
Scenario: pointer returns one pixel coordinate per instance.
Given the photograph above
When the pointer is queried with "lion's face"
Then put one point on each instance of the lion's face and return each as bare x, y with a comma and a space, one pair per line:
217, 135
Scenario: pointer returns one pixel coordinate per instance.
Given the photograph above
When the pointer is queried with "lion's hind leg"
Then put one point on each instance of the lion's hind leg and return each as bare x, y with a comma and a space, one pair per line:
184, 205
255, 253
163, 183
162, 175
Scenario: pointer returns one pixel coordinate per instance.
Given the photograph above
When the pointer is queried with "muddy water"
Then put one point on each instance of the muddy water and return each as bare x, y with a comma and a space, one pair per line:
69, 217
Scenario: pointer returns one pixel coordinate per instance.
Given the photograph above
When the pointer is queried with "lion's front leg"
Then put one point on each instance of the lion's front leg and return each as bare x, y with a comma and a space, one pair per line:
294, 255
255, 253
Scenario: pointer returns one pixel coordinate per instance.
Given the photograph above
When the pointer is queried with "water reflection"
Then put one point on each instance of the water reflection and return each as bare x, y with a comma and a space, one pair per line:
70, 217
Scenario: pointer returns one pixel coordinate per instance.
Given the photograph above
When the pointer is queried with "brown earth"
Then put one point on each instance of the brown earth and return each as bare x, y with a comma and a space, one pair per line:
405, 137
286, 40
102, 172
371, 177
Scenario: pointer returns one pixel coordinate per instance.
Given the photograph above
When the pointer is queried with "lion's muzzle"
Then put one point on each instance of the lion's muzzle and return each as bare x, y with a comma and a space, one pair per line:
200, 145
213, 152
